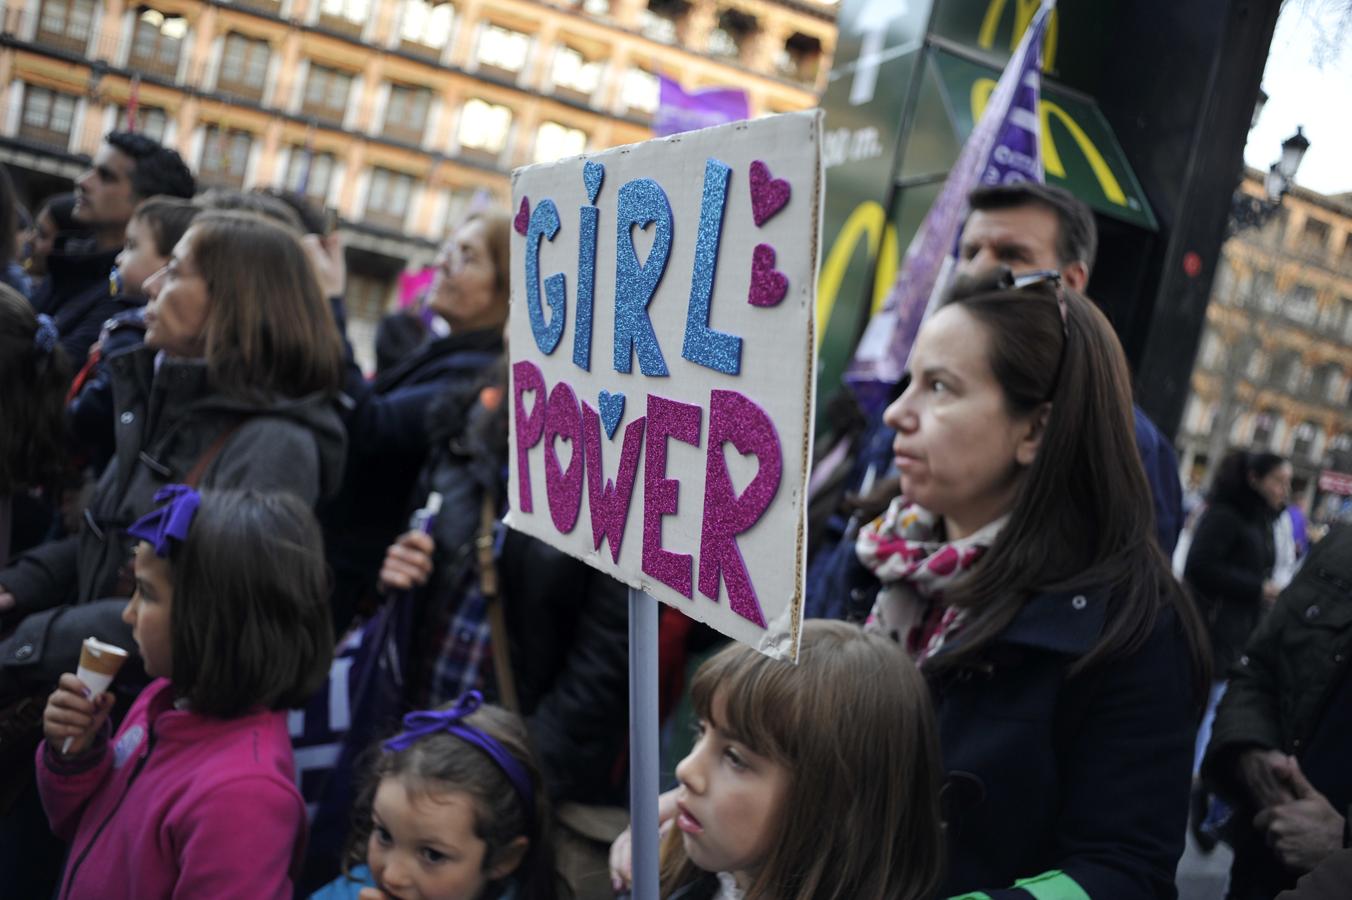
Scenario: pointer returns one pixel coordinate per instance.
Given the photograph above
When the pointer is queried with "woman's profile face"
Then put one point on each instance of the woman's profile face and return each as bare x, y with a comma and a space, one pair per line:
176, 316
961, 454
1275, 486
465, 291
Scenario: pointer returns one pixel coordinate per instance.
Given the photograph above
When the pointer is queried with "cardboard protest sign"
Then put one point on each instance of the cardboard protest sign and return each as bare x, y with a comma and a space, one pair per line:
663, 367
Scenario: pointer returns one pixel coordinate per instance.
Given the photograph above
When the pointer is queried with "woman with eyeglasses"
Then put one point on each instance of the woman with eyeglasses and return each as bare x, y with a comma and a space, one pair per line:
1020, 569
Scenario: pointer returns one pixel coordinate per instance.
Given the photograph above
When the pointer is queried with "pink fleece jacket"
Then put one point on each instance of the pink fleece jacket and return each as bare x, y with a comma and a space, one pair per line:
180, 805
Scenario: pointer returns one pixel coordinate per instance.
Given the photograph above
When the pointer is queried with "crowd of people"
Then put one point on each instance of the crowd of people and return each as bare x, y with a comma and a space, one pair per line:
348, 679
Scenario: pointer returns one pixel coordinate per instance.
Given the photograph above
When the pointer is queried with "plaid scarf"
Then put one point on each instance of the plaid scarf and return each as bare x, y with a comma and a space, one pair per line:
903, 549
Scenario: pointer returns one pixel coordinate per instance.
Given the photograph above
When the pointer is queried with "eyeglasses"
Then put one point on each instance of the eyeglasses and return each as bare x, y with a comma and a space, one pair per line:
1050, 277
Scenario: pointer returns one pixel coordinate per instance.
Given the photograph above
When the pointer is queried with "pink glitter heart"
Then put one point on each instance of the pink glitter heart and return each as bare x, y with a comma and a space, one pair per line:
768, 195
768, 285
522, 220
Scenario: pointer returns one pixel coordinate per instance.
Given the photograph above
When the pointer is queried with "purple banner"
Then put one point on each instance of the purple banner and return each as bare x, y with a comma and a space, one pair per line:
679, 111
1003, 147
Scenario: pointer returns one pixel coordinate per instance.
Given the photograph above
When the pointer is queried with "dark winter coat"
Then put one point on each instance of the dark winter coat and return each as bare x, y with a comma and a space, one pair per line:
1051, 777
388, 438
93, 426
77, 293
567, 622
1231, 556
166, 420
1290, 691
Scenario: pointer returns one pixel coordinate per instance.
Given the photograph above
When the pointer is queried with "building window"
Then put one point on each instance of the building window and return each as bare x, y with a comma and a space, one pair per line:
150, 121
47, 117
1334, 383
310, 174
731, 33
406, 113
1213, 351
326, 93
389, 196
427, 26
344, 16
662, 18
66, 24
1263, 429
574, 73
1301, 304
1346, 305
503, 49
641, 91
554, 141
156, 43
244, 67
225, 157
800, 59
1314, 236
1257, 366
1307, 435
484, 127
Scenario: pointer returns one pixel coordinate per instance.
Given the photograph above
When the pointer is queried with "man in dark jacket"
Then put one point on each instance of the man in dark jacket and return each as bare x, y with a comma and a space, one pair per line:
77, 294
1283, 732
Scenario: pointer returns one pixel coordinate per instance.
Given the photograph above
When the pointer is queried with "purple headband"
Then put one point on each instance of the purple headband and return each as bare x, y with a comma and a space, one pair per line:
421, 724
171, 520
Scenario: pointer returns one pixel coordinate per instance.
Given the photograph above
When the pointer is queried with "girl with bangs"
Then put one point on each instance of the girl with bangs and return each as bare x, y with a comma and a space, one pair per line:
815, 781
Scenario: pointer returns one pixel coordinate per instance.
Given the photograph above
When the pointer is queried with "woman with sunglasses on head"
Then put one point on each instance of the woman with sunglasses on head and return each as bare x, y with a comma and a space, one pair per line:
1019, 568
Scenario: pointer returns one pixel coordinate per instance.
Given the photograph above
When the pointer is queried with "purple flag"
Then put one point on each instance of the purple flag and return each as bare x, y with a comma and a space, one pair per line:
678, 111
1003, 147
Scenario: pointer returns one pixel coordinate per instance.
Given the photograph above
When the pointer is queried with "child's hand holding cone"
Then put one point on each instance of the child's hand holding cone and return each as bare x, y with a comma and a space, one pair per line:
72, 720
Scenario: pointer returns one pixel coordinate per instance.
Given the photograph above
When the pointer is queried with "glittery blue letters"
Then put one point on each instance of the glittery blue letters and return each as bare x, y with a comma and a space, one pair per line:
544, 223
712, 349
641, 202
586, 285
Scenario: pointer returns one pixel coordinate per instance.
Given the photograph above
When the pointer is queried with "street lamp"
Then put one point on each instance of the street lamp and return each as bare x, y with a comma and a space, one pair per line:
1247, 211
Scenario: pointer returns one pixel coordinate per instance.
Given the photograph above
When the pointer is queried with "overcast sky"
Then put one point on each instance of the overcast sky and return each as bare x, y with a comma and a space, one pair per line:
1309, 82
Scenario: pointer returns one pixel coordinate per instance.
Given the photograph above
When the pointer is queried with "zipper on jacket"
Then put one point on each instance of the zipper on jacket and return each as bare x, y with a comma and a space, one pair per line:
140, 764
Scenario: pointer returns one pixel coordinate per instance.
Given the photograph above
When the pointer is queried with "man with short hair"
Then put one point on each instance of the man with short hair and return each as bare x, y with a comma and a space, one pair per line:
77, 294
1028, 226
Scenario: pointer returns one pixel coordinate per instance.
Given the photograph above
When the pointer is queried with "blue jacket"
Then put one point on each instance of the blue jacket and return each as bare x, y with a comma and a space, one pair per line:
1161, 470
78, 295
1065, 784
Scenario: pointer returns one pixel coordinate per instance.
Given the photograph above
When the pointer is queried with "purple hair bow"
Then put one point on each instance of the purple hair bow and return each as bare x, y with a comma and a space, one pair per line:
420, 724
171, 520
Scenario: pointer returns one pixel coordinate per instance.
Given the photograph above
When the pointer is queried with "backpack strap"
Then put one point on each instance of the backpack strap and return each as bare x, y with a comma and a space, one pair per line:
489, 587
209, 455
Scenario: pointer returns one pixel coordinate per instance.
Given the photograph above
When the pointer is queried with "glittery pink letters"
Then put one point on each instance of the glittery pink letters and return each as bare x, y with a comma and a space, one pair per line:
735, 419
666, 418
527, 377
607, 501
563, 419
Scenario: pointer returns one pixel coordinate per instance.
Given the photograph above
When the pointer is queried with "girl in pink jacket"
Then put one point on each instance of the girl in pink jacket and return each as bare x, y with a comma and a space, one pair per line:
195, 796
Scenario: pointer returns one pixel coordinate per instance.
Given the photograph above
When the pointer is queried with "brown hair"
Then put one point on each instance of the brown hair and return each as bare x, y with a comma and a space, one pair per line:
853, 725
1082, 516
269, 329
498, 236
256, 202
442, 762
250, 624
32, 400
168, 219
